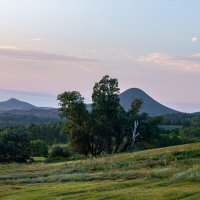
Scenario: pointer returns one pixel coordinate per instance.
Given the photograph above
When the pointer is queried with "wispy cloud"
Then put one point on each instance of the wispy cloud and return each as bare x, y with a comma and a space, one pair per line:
181, 63
12, 52
37, 39
34, 39
8, 47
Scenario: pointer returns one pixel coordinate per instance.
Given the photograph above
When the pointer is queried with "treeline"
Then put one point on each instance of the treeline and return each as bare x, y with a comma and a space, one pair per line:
20, 143
180, 128
10, 119
182, 119
172, 135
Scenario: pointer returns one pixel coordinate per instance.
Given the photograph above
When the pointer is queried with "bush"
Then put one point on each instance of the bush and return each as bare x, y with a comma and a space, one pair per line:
59, 151
38, 148
14, 146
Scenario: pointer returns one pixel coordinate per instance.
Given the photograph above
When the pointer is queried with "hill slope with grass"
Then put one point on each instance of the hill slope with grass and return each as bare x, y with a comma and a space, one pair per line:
166, 173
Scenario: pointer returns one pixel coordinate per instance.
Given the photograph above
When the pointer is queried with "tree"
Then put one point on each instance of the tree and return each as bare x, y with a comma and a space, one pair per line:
133, 123
108, 127
105, 97
72, 106
74, 109
106, 106
136, 106
14, 146
38, 148
150, 131
58, 151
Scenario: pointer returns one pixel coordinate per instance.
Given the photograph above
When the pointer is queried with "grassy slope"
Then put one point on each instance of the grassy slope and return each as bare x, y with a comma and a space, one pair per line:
167, 173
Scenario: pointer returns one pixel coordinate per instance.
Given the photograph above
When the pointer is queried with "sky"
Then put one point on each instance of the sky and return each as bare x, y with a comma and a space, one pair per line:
48, 47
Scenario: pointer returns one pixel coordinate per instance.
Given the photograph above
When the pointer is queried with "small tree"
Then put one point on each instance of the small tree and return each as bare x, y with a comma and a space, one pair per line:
59, 151
14, 146
38, 148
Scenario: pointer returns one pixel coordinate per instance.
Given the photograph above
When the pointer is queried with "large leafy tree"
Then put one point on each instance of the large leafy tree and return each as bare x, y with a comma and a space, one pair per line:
105, 97
108, 112
74, 109
108, 127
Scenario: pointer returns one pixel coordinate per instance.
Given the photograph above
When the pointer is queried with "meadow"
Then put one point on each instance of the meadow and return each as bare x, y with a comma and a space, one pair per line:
167, 173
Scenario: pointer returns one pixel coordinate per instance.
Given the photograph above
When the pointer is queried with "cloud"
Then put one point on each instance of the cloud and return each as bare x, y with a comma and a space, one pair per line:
37, 39
180, 63
33, 39
20, 54
8, 47
194, 39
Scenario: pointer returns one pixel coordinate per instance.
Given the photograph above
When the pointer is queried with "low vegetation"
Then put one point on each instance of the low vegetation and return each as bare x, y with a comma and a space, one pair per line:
167, 173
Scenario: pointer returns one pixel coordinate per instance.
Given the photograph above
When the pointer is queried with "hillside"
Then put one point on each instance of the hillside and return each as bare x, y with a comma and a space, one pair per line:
150, 106
14, 104
14, 113
161, 174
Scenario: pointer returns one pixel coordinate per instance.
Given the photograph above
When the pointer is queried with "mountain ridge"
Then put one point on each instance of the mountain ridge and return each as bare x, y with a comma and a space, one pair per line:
13, 104
150, 105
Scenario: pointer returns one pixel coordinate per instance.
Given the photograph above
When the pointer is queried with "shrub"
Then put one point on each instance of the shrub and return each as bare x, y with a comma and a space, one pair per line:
59, 151
38, 148
14, 146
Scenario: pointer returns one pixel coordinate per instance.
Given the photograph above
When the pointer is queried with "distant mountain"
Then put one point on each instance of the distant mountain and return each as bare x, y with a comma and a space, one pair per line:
150, 106
14, 104
14, 113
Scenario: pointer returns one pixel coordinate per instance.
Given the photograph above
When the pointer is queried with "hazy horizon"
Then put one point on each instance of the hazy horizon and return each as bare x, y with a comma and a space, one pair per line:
48, 47
50, 100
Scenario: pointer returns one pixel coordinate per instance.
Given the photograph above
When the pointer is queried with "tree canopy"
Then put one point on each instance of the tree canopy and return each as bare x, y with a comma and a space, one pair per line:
108, 127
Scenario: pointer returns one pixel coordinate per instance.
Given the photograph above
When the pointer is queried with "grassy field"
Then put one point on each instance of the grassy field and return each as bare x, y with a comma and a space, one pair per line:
169, 173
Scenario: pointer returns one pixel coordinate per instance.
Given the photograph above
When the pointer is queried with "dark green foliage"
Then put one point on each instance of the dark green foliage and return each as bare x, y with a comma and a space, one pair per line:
16, 118
59, 151
74, 109
72, 106
14, 146
166, 140
196, 121
105, 97
15, 142
150, 131
190, 132
108, 127
38, 148
136, 106
183, 119
50, 133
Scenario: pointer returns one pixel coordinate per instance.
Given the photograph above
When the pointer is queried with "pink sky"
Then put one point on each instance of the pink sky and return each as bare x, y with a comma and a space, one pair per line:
54, 46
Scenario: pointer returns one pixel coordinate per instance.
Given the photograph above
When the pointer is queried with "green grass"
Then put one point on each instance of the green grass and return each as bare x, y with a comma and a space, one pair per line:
170, 127
168, 173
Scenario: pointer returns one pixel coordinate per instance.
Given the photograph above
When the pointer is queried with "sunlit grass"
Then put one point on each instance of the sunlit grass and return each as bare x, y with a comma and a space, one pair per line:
166, 173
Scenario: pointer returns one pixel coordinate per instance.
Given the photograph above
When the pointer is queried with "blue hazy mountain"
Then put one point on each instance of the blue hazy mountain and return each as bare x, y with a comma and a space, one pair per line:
150, 106
14, 113
14, 104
